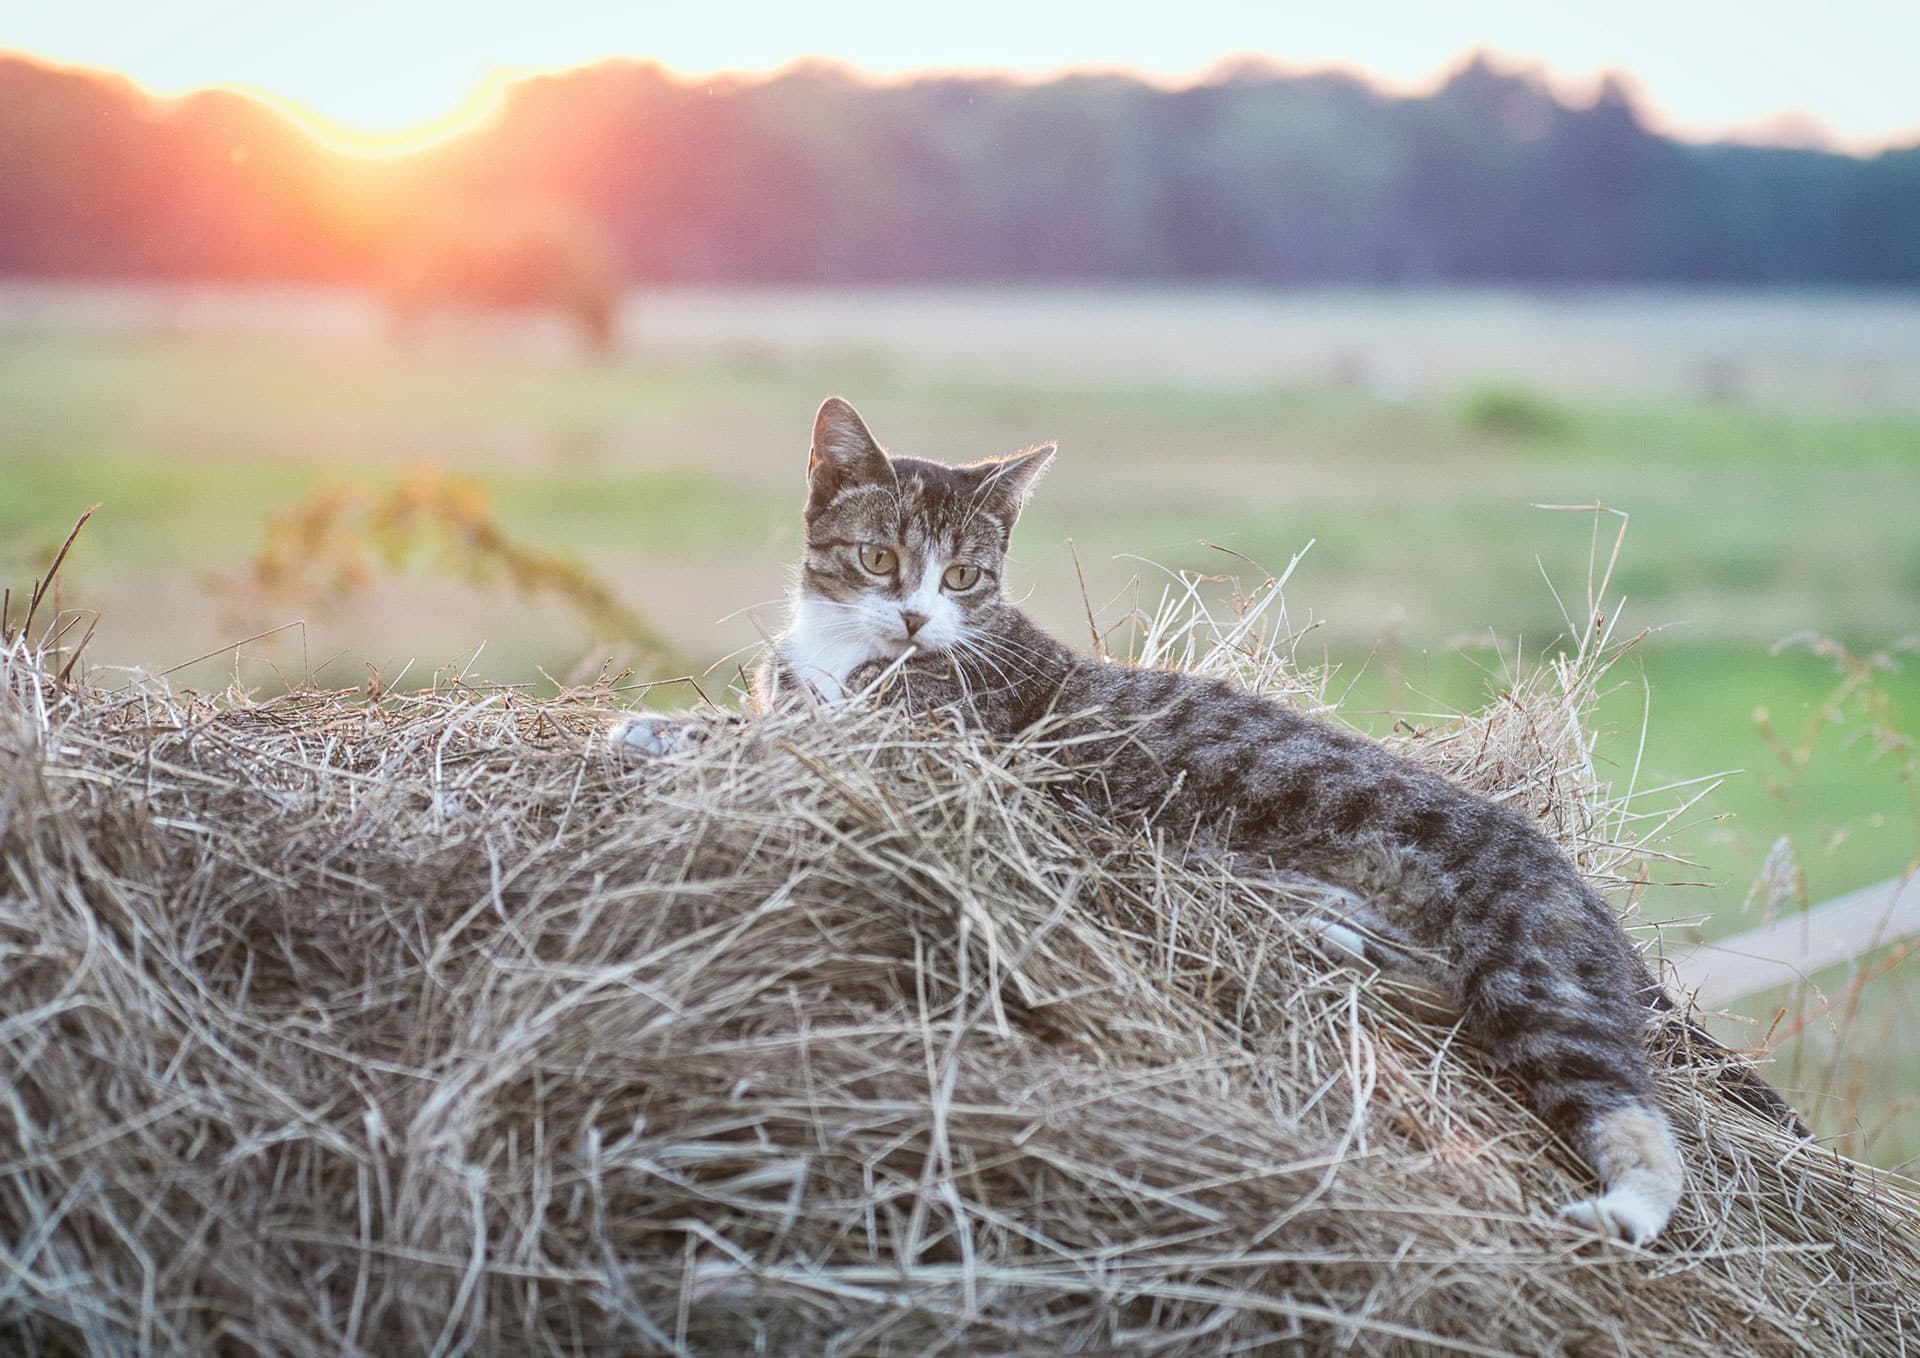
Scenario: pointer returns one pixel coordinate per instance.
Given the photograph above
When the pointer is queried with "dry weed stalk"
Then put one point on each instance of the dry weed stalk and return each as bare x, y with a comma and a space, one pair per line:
331, 546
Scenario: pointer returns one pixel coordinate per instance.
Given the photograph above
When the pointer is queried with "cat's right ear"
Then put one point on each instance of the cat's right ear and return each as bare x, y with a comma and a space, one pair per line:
844, 454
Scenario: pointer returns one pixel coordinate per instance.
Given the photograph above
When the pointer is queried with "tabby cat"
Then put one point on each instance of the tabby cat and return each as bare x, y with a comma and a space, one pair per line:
903, 562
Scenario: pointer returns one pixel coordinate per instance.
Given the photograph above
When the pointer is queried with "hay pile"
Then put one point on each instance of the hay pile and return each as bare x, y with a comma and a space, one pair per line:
429, 1025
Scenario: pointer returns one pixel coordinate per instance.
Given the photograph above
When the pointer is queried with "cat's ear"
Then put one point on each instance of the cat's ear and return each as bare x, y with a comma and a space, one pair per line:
843, 454
1006, 482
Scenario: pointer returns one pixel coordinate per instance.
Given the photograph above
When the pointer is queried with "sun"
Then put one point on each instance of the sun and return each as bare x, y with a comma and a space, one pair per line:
479, 108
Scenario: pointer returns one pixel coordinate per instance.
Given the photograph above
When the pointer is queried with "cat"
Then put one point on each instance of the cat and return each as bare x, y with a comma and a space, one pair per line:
899, 592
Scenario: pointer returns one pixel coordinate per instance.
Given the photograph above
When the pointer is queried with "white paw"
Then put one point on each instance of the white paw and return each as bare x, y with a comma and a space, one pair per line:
653, 736
1622, 1214
1340, 942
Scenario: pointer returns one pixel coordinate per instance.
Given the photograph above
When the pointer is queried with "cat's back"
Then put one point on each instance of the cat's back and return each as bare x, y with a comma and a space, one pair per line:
1199, 721
1258, 772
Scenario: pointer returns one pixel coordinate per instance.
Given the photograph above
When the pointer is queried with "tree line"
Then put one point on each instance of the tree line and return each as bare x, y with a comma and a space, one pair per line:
817, 176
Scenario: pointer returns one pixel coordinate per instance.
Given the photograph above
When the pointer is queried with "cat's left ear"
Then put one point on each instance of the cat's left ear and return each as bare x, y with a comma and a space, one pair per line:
1006, 482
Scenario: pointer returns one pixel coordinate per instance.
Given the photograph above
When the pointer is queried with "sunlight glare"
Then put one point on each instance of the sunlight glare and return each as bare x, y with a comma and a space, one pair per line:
478, 109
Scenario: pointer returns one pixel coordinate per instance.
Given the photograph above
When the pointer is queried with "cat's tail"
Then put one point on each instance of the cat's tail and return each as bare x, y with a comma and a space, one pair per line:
1745, 1085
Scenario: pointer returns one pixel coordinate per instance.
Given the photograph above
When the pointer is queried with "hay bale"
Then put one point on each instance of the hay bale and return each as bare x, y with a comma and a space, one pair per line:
428, 1024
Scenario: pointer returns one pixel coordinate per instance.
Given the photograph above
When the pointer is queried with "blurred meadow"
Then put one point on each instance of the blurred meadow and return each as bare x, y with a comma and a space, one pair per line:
532, 473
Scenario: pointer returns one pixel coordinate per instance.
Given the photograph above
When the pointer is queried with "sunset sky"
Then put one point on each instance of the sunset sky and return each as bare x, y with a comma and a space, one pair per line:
1703, 66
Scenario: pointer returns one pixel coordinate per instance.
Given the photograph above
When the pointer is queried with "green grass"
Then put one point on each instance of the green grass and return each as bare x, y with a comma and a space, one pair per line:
679, 481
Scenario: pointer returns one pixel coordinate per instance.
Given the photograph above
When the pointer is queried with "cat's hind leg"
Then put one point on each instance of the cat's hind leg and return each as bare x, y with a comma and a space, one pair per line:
1350, 930
1632, 1148
1558, 998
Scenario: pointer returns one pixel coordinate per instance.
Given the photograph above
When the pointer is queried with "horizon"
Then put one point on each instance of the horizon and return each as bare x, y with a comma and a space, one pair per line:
368, 80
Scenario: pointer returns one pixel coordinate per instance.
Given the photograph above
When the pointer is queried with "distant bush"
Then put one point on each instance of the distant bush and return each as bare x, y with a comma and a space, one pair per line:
530, 261
1513, 412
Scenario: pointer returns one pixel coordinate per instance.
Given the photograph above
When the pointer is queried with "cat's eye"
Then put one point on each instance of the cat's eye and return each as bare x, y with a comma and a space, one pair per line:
880, 560
960, 577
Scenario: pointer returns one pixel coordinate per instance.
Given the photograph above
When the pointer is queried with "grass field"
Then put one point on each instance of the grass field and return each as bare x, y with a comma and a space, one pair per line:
676, 476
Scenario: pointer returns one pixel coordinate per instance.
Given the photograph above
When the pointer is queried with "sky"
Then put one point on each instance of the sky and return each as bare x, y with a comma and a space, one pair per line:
1702, 67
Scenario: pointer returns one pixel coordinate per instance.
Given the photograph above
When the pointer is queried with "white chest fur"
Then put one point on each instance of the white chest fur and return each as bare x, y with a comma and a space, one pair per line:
823, 646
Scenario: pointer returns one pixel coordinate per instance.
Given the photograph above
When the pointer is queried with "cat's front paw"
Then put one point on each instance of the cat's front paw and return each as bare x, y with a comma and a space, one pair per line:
651, 737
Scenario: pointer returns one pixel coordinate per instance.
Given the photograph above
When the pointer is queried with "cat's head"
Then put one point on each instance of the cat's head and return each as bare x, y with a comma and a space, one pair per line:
902, 552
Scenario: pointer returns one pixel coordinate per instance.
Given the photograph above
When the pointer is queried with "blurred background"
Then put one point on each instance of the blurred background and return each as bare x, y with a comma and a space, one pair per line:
472, 341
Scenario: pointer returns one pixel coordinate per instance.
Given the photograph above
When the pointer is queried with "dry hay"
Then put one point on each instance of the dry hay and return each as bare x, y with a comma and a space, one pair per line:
427, 1024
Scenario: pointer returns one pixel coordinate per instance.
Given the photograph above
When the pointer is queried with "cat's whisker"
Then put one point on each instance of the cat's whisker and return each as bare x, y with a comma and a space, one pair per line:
969, 648
992, 650
748, 608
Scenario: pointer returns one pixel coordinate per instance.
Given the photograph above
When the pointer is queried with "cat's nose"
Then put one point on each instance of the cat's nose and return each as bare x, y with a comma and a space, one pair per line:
914, 621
